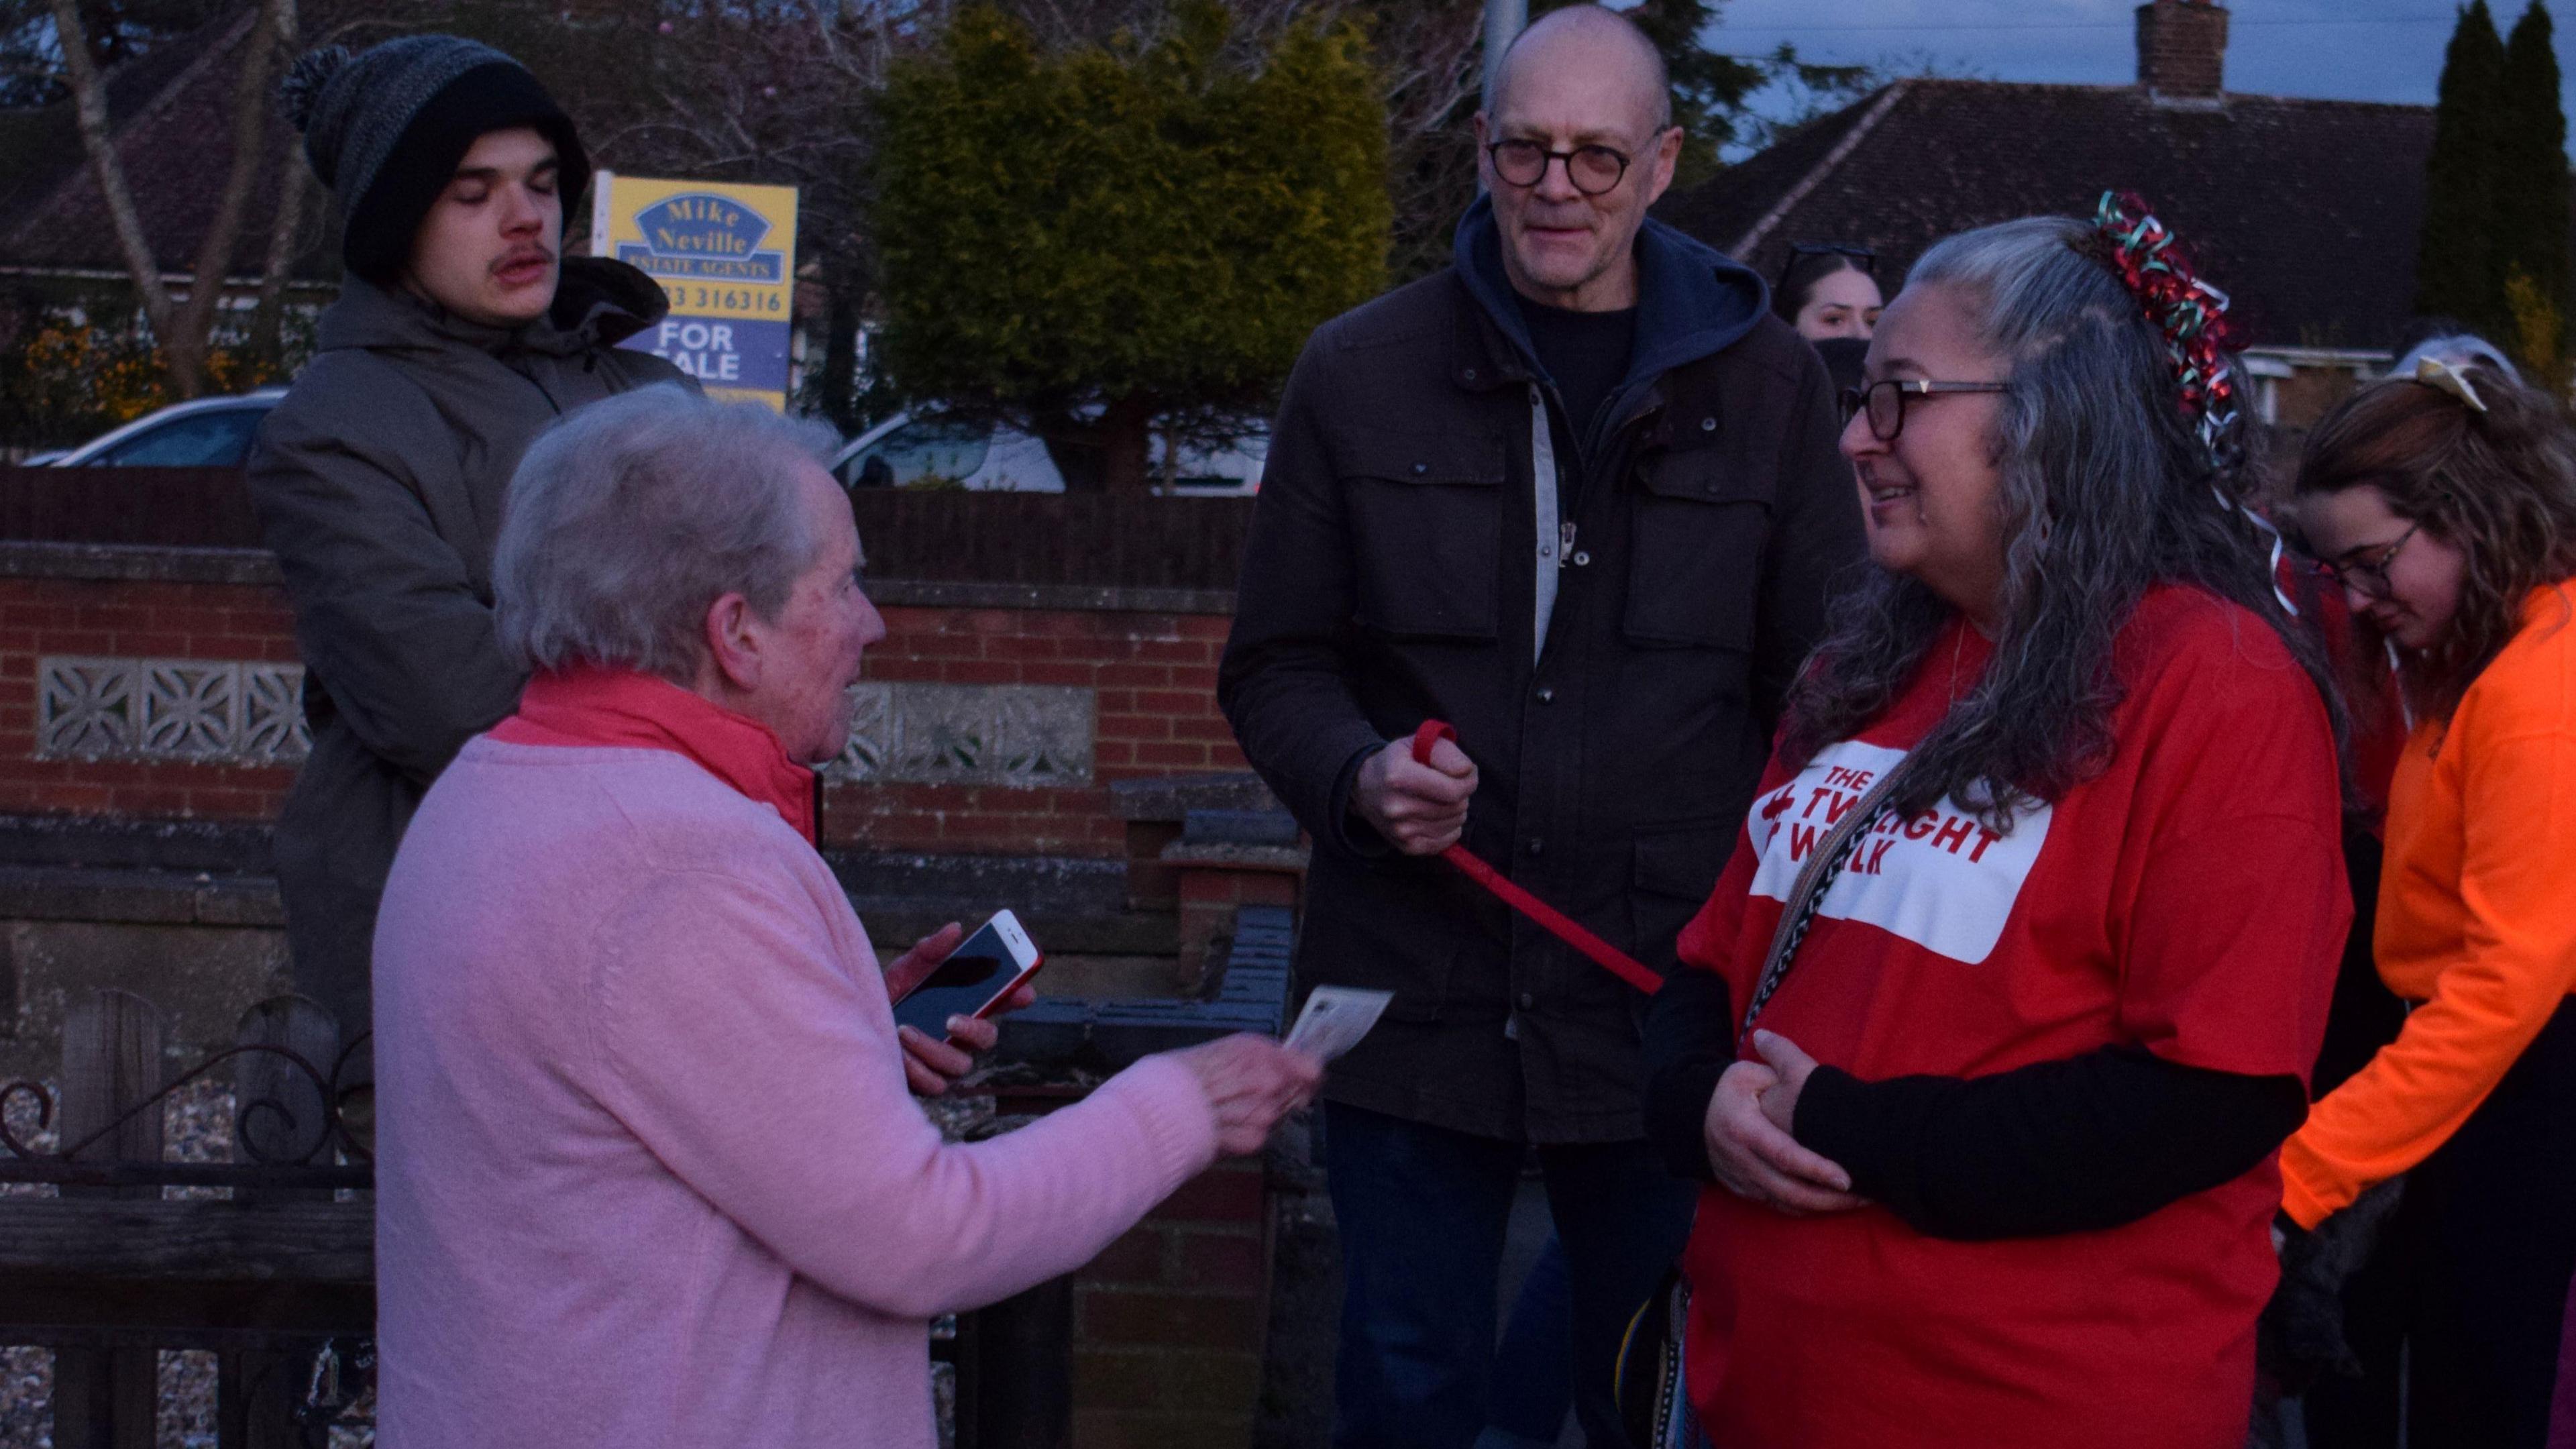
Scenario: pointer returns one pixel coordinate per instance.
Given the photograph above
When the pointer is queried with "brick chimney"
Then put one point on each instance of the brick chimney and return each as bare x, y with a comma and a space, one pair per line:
2182, 49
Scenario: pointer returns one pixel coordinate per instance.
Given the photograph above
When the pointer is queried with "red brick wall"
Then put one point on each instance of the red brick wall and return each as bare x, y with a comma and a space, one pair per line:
1169, 1320
1156, 680
125, 618
1154, 673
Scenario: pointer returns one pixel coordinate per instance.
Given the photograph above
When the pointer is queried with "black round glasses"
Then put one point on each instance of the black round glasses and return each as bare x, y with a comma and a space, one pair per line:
1594, 170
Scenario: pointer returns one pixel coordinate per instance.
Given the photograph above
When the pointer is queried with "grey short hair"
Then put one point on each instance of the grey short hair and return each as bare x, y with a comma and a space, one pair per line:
628, 518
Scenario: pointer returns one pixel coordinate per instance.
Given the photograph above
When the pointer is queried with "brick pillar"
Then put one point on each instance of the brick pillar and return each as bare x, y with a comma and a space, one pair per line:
2182, 48
1213, 881
1170, 1319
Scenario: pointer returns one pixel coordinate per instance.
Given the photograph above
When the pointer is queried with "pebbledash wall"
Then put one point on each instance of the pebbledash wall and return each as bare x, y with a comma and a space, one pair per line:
164, 683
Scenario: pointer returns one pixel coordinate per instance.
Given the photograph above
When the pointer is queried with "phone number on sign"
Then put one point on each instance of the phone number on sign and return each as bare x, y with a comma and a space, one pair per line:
727, 301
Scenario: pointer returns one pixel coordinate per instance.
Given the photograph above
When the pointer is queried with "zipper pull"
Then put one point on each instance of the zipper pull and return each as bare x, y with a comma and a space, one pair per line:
1564, 543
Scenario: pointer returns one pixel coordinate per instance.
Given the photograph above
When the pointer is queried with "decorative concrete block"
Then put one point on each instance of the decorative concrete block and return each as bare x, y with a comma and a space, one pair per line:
191, 710
246, 712
273, 730
968, 734
203, 711
86, 708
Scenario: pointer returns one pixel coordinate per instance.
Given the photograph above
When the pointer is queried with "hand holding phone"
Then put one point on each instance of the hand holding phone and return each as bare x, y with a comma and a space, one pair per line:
975, 980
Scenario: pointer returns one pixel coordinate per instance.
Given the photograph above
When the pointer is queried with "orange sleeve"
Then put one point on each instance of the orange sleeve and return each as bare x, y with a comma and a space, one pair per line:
2517, 924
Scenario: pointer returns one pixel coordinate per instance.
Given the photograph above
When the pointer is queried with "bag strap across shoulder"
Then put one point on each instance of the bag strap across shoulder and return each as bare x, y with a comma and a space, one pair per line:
1808, 891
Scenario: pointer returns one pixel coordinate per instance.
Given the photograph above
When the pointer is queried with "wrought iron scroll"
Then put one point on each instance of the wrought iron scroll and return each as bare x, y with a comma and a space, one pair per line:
62, 1165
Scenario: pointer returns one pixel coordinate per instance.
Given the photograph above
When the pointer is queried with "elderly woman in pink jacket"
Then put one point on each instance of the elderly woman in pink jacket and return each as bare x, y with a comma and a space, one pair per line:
648, 1169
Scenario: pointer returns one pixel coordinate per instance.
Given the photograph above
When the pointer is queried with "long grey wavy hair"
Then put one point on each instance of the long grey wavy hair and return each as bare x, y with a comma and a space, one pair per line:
2107, 491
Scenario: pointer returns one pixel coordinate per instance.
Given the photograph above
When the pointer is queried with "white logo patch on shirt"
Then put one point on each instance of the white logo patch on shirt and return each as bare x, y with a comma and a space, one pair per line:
1941, 880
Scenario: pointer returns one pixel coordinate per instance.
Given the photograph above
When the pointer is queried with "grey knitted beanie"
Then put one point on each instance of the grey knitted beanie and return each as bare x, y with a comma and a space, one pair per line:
386, 127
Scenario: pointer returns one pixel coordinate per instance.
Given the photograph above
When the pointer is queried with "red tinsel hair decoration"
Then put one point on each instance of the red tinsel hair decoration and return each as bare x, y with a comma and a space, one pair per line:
2190, 312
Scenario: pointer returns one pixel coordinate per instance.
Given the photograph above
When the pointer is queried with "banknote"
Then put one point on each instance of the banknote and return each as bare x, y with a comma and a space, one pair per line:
1335, 1019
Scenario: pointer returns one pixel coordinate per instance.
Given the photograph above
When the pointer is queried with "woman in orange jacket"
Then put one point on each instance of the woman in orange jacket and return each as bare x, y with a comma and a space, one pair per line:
2444, 505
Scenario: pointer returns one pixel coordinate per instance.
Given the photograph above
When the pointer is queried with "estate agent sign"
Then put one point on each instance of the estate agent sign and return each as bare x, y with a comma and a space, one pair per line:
726, 254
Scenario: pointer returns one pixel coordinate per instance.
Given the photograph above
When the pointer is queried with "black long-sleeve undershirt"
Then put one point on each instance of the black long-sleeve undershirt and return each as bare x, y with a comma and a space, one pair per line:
2087, 1142
1689, 1044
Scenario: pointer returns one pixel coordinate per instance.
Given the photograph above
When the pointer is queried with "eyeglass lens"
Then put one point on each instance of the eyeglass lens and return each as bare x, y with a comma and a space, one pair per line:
2368, 577
1885, 404
1886, 411
1593, 169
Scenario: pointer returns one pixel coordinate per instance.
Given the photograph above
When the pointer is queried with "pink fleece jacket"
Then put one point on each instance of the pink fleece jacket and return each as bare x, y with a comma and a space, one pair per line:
648, 1173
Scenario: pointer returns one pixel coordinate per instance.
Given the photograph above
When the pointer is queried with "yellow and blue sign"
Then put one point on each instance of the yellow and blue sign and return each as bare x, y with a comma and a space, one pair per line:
726, 255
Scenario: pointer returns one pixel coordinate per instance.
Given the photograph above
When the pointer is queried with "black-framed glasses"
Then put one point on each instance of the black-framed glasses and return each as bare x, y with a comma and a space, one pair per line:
1885, 401
1867, 258
2368, 577
1595, 170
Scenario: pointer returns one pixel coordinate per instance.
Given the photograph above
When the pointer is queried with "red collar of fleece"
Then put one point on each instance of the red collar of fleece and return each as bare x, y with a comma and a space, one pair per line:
623, 709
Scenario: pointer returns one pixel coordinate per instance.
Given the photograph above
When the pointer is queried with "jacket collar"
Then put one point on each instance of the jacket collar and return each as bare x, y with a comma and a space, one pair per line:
1691, 302
623, 709
598, 303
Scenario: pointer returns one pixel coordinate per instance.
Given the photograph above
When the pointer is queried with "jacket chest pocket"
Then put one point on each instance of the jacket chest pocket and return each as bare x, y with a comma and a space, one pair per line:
1426, 519
1697, 524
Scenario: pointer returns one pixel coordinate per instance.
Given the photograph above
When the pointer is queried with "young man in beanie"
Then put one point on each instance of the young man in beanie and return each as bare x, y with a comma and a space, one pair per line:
461, 332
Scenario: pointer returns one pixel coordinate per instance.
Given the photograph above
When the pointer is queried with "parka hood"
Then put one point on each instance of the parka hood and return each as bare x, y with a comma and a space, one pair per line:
1692, 300
598, 303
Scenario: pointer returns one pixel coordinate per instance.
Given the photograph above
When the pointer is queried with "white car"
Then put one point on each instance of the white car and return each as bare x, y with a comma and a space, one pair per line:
904, 451
206, 432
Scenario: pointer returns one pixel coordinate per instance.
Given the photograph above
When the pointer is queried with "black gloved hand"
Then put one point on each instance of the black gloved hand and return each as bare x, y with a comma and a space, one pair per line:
2301, 1337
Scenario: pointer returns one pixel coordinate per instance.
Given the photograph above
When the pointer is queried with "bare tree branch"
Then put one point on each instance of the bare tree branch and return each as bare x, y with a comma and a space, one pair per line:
186, 344
89, 105
182, 330
268, 315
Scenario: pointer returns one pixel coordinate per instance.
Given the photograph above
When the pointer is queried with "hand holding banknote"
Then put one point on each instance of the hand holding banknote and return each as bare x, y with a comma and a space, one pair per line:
1251, 1082
1335, 1019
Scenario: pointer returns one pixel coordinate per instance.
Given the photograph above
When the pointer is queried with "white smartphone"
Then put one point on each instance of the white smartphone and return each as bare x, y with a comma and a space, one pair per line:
990, 964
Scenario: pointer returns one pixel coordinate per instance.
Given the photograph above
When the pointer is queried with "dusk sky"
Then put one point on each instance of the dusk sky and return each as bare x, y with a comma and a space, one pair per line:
2374, 50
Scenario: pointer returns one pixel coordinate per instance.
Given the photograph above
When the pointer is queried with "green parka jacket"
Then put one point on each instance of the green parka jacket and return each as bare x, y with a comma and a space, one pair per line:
378, 483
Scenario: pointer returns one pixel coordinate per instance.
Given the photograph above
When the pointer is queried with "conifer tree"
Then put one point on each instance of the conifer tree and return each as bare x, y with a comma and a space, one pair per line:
2531, 197
1093, 242
2456, 271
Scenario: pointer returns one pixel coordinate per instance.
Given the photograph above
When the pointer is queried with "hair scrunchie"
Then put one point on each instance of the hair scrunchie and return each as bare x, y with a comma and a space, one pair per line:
2192, 315
2190, 312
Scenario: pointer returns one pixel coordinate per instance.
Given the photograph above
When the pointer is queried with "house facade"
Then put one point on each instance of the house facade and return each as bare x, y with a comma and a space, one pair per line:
171, 121
2306, 211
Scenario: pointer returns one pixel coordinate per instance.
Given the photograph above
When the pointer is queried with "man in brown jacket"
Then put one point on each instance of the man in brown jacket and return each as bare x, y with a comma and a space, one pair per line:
1577, 495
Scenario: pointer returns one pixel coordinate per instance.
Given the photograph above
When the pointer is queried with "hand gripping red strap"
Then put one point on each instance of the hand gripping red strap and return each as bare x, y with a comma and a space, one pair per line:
1560, 925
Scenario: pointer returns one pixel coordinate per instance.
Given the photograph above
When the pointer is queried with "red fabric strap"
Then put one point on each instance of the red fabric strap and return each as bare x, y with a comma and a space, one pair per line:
1557, 923
623, 709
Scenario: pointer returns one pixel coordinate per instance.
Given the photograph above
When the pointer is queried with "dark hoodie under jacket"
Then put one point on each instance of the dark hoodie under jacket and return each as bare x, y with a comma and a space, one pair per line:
1392, 576
378, 483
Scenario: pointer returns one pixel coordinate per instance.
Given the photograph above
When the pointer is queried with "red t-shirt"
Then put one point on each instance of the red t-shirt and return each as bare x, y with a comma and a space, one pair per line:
2189, 899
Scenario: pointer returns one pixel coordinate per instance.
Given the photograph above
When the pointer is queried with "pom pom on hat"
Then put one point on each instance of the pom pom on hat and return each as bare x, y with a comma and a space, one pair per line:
299, 92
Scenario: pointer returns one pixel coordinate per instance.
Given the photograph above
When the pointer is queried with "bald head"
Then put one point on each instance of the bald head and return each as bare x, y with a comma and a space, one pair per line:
1602, 49
1575, 144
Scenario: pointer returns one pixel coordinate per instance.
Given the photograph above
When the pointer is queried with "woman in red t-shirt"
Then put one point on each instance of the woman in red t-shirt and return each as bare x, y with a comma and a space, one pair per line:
1997, 1168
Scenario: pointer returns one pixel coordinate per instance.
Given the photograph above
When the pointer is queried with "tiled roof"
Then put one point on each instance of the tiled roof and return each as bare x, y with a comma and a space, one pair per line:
40, 147
2305, 210
175, 141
